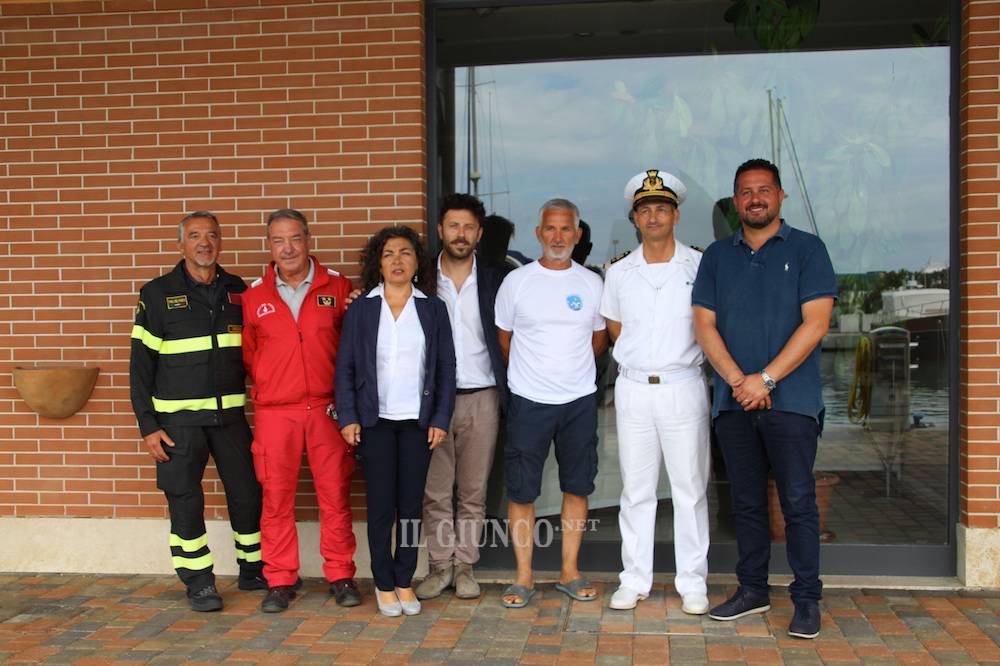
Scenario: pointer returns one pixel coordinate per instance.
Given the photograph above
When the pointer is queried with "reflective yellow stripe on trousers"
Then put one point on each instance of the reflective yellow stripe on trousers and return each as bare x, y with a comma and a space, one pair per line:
190, 546
247, 540
192, 563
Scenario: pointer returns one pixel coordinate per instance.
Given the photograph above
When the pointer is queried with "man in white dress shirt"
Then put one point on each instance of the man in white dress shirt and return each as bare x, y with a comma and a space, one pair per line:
661, 399
455, 494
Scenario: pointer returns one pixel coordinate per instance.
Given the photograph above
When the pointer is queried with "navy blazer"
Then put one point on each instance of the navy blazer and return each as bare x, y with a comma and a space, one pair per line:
488, 279
357, 383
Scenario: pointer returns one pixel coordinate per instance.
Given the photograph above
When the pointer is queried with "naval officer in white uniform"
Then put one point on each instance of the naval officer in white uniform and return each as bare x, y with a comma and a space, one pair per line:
661, 397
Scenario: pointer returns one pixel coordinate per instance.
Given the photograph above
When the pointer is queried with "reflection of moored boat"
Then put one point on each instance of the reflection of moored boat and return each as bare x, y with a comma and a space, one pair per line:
924, 313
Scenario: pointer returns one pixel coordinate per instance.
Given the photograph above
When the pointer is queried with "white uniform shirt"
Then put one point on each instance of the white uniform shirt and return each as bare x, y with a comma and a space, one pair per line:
399, 359
474, 368
653, 304
553, 315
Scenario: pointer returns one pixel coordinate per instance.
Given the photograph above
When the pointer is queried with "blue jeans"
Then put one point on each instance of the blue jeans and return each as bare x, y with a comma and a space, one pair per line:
783, 443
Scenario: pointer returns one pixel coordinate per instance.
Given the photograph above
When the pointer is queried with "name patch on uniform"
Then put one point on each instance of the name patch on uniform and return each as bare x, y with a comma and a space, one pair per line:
326, 301
177, 302
235, 299
235, 328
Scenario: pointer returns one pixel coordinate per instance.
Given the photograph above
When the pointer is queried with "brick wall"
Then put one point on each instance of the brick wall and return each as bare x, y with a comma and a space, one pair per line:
980, 248
118, 117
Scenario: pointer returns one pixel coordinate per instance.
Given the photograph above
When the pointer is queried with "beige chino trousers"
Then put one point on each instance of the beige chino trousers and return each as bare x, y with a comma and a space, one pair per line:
455, 494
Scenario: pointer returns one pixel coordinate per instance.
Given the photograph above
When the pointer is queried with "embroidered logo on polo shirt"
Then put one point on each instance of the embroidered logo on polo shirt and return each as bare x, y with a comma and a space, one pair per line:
234, 328
326, 301
264, 309
177, 302
574, 302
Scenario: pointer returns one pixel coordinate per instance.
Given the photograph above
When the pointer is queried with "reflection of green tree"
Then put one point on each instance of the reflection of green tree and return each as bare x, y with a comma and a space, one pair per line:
777, 25
725, 220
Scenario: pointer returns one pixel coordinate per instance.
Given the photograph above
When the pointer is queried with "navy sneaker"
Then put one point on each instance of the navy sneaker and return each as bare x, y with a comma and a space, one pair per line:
805, 622
744, 602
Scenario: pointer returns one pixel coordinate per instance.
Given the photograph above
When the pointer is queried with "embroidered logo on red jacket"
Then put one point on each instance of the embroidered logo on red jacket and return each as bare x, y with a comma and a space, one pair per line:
264, 309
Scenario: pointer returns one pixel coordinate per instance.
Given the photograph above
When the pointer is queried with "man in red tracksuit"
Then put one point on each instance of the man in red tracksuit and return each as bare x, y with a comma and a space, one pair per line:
292, 319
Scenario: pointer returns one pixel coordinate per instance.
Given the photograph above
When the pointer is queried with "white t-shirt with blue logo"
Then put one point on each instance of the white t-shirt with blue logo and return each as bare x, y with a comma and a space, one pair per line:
553, 315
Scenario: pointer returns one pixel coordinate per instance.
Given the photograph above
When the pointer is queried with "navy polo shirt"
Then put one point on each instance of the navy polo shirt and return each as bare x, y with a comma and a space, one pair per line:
757, 298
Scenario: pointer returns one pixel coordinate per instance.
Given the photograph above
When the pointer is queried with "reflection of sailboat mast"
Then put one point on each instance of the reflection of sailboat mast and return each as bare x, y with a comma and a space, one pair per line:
472, 145
780, 129
473, 174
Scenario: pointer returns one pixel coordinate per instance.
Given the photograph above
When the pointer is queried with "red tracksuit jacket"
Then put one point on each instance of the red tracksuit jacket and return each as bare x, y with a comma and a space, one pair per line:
292, 363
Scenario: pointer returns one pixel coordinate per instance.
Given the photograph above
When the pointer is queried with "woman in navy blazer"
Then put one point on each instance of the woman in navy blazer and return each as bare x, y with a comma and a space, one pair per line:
395, 395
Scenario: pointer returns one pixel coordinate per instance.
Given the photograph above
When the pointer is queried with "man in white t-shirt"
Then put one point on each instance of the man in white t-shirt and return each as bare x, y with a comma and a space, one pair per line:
661, 399
550, 330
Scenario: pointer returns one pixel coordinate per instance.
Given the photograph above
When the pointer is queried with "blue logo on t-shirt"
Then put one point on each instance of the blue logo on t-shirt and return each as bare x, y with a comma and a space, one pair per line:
574, 302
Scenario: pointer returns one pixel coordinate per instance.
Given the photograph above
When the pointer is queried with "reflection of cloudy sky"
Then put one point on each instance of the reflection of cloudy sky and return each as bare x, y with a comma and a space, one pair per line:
870, 128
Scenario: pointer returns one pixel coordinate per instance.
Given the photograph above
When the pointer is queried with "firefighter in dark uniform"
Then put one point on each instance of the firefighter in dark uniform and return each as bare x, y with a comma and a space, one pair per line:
188, 393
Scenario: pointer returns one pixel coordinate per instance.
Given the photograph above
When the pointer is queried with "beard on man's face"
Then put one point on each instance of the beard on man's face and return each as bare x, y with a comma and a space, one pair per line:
459, 250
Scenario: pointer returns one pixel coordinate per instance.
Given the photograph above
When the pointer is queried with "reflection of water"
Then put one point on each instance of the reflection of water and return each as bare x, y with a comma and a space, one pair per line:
928, 388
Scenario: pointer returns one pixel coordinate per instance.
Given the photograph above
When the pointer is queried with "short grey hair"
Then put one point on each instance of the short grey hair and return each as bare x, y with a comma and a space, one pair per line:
560, 204
191, 216
288, 214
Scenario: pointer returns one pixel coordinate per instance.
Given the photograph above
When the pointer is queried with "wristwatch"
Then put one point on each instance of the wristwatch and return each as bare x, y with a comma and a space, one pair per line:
768, 382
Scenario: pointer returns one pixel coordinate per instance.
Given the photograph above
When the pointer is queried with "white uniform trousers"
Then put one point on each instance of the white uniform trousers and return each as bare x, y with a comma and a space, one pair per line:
668, 423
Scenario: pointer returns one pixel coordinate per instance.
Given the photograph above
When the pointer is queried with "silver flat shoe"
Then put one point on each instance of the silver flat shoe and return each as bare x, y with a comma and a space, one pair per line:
394, 609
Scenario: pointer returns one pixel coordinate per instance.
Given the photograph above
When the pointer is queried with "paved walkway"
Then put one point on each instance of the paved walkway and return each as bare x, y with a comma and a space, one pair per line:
76, 619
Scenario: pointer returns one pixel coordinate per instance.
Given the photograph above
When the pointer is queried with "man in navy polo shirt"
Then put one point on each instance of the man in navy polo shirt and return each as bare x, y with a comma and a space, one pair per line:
762, 303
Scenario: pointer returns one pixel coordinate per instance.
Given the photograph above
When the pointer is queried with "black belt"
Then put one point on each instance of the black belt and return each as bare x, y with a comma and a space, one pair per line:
467, 391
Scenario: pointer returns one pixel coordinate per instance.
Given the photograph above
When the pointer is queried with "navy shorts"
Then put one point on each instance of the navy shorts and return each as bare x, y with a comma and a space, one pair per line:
532, 427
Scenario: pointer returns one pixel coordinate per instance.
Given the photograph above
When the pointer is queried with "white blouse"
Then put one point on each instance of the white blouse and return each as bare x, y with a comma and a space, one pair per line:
400, 355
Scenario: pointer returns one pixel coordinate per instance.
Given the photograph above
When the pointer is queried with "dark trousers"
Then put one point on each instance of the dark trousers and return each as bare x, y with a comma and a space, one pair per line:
180, 480
395, 459
753, 444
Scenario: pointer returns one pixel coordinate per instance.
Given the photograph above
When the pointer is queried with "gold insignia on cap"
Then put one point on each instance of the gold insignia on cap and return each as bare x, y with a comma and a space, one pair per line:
652, 186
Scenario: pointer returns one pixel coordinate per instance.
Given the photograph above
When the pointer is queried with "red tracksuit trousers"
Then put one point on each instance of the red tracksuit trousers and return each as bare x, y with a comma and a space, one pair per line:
280, 437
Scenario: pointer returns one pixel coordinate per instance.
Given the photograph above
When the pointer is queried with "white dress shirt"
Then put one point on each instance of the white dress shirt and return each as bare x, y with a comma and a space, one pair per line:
474, 368
653, 304
399, 359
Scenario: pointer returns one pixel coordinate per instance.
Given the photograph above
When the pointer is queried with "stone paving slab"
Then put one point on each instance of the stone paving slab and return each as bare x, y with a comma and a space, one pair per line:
76, 619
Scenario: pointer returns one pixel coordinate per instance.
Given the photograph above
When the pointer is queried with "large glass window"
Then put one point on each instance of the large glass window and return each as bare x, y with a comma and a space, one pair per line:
862, 139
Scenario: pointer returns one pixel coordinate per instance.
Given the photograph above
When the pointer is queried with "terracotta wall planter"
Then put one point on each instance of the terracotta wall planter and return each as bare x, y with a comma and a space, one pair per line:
825, 481
58, 391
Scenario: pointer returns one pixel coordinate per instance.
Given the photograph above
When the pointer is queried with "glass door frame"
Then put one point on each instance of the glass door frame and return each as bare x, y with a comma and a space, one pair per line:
837, 559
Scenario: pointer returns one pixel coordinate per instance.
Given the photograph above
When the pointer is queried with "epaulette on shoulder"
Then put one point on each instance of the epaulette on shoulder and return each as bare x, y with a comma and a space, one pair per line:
256, 283
330, 271
621, 256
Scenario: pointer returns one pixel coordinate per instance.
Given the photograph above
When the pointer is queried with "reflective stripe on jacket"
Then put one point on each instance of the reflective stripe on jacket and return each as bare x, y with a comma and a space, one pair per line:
186, 366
